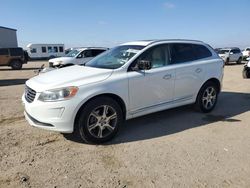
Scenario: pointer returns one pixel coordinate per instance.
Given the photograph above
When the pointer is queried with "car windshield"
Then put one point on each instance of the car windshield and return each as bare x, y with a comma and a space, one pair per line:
223, 51
72, 53
115, 58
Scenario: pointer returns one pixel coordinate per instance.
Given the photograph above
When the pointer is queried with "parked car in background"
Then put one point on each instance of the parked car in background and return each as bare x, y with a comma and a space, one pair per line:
13, 57
231, 55
77, 56
246, 69
217, 50
130, 80
246, 53
45, 51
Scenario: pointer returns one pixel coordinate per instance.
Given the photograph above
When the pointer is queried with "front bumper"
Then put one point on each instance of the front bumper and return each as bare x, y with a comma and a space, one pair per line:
55, 116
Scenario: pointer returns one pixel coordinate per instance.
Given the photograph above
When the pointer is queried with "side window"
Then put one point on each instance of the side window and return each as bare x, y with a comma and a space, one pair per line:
201, 51
158, 56
16, 52
88, 53
44, 50
248, 49
60, 49
4, 52
234, 51
33, 50
55, 50
182, 52
97, 52
50, 49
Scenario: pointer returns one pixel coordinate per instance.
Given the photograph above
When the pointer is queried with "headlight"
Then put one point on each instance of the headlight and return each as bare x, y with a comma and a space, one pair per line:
58, 94
57, 63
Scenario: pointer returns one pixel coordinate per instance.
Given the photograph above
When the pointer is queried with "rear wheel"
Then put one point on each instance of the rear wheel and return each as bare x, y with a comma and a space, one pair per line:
207, 97
239, 60
99, 120
16, 65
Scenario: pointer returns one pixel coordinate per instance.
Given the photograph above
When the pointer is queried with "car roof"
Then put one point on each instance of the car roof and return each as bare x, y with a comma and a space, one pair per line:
149, 42
229, 48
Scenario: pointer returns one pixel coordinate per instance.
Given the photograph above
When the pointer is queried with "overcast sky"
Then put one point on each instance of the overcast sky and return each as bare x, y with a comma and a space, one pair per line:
109, 22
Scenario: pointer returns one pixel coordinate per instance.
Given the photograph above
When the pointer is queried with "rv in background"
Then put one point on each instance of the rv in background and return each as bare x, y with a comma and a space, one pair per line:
45, 51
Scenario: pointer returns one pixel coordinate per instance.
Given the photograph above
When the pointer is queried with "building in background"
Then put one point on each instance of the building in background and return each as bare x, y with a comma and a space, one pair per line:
8, 38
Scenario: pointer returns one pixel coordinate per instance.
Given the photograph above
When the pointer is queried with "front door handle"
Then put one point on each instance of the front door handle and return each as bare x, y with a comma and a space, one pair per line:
167, 77
198, 70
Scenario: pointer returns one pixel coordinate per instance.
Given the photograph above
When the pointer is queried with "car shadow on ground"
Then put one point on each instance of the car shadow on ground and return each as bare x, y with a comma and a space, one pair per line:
12, 82
23, 69
180, 119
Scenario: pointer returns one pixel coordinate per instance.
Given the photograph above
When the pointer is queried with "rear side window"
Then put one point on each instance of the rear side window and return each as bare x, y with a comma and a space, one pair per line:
16, 52
60, 49
97, 52
182, 52
88, 53
44, 50
201, 51
4, 52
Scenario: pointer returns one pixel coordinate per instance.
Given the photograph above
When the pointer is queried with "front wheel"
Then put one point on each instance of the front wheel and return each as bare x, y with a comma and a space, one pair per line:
99, 120
207, 97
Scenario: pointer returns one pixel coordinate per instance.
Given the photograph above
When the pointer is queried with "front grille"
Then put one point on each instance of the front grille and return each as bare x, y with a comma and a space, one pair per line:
30, 94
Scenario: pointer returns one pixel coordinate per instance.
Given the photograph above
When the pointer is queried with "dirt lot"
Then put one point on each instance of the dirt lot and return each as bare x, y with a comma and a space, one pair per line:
173, 148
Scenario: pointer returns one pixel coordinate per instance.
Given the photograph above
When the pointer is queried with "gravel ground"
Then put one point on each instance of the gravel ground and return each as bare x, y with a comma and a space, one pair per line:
172, 148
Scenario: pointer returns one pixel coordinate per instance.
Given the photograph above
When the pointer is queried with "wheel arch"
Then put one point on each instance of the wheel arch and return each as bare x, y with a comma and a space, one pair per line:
214, 80
115, 97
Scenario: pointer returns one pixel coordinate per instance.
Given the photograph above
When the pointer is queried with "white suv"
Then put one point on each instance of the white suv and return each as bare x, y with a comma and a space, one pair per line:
231, 55
130, 80
76, 56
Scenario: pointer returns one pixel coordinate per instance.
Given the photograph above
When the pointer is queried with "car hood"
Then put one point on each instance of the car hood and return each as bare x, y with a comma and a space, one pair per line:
69, 76
59, 60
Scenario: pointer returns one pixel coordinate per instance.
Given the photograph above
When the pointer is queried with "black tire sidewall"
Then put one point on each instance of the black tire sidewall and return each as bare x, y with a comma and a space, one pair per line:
82, 122
199, 104
16, 65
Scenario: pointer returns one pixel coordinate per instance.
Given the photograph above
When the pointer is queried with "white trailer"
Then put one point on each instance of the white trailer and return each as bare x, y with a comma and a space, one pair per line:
45, 51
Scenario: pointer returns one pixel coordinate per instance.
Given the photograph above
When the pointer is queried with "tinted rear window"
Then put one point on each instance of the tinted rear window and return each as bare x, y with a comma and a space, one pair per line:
4, 52
16, 52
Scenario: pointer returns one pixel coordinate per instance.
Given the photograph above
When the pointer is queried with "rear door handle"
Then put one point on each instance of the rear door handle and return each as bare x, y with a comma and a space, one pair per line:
167, 77
198, 70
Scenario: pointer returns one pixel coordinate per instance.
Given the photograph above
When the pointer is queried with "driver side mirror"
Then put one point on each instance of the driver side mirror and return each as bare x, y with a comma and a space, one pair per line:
144, 64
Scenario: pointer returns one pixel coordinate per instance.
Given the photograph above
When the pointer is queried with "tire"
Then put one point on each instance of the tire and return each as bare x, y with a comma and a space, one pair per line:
246, 73
239, 60
16, 64
207, 97
94, 126
227, 61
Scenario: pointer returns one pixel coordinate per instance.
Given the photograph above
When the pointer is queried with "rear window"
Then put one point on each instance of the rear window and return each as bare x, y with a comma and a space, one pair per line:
60, 49
4, 52
16, 52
